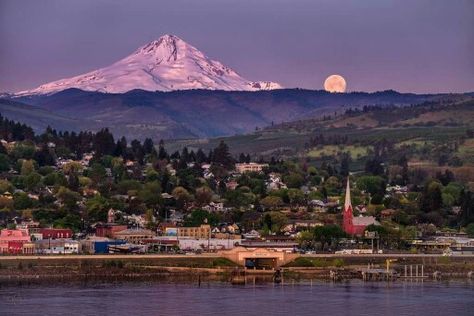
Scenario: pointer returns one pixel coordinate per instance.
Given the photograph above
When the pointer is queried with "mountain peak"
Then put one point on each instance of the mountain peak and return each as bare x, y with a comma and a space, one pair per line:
167, 40
165, 64
165, 49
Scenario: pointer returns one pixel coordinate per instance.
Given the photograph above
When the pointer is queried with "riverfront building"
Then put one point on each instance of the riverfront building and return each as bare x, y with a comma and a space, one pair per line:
56, 233
12, 240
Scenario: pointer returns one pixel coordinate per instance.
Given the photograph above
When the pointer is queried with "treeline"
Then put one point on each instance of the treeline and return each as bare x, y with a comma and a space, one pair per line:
74, 145
14, 131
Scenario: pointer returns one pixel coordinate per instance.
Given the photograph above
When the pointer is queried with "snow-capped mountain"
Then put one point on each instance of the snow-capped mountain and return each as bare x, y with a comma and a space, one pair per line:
165, 64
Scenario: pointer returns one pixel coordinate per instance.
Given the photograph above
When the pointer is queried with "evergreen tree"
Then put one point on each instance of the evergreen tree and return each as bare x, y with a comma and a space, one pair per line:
162, 154
185, 154
137, 151
221, 156
103, 143
148, 146
121, 148
200, 156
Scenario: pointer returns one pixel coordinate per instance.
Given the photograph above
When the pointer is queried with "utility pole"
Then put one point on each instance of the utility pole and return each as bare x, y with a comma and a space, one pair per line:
208, 236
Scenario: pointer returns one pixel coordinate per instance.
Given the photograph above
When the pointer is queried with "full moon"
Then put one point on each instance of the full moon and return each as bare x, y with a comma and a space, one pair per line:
335, 83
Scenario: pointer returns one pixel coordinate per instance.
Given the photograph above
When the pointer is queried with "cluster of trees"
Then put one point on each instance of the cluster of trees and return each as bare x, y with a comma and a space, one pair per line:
14, 131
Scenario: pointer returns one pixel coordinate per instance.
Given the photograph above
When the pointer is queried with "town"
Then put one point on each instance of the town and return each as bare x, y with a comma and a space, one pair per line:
85, 193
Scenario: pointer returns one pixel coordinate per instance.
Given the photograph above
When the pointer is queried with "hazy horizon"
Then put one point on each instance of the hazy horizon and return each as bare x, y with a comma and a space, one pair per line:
419, 46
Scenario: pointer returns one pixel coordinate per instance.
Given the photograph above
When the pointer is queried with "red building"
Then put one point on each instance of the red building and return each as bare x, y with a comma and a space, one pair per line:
354, 225
12, 240
108, 230
55, 233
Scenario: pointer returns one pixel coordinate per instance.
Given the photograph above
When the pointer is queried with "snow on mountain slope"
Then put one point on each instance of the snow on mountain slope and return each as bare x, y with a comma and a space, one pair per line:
166, 64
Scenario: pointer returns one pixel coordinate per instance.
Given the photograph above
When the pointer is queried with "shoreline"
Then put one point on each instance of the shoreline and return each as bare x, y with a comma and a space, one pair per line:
66, 268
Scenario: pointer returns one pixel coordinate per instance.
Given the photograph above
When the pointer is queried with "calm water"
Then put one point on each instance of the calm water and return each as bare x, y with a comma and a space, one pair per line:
215, 298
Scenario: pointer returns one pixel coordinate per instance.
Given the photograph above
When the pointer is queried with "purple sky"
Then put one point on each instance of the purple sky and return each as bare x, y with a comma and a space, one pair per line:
412, 45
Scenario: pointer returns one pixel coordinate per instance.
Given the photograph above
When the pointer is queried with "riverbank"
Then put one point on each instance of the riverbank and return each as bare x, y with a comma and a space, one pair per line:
196, 267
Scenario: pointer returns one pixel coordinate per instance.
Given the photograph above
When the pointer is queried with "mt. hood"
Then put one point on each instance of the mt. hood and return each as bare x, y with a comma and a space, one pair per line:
165, 64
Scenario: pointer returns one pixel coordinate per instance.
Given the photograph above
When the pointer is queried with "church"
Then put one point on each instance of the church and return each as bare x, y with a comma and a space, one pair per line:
355, 225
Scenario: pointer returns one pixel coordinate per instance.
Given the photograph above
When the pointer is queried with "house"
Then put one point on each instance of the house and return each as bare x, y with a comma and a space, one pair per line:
136, 220
170, 169
318, 206
397, 189
250, 167
7, 195
166, 196
55, 233
32, 227
232, 185
226, 231
214, 207
12, 240
33, 196
86, 158
275, 183
253, 234
387, 214
317, 203
176, 216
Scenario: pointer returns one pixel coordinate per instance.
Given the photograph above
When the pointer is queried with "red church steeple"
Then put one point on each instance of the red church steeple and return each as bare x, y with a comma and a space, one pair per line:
348, 224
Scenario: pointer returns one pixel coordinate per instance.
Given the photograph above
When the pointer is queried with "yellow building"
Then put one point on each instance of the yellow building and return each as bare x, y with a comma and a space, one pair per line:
201, 232
250, 167
134, 236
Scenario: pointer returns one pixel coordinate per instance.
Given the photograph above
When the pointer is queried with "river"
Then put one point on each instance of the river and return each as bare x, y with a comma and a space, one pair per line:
219, 298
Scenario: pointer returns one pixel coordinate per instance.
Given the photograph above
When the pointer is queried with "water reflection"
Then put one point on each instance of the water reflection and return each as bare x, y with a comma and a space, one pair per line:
256, 296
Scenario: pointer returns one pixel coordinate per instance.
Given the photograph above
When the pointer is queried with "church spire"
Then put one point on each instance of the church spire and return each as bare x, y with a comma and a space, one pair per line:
347, 203
347, 223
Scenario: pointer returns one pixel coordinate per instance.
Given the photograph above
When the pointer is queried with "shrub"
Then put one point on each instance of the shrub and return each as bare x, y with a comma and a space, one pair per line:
303, 262
222, 262
338, 262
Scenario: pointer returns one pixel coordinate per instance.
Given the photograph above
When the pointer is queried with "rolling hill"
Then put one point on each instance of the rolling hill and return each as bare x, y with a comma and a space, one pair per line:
433, 121
204, 113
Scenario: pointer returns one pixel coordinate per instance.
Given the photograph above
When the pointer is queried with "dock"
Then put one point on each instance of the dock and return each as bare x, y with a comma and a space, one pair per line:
375, 274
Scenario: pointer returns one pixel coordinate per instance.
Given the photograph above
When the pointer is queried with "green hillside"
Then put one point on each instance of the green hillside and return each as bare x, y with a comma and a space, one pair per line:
416, 128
